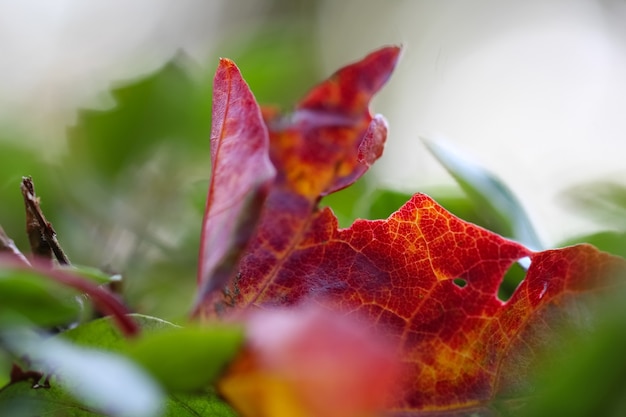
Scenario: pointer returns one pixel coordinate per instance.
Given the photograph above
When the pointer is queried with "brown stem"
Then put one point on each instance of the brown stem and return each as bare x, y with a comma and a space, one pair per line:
41, 234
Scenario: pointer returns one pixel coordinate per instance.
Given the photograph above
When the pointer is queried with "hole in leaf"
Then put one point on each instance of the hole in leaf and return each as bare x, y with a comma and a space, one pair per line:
460, 282
513, 277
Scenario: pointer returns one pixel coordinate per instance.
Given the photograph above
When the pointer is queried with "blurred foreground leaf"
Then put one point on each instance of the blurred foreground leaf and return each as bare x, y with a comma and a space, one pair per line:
104, 334
187, 359
166, 106
25, 294
203, 403
264, 62
84, 379
603, 201
588, 376
181, 359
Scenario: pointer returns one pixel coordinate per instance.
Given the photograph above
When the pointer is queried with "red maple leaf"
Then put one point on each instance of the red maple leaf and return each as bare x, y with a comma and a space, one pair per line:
266, 243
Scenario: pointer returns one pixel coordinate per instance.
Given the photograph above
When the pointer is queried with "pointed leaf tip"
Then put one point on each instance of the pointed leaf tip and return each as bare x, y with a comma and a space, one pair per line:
349, 90
241, 172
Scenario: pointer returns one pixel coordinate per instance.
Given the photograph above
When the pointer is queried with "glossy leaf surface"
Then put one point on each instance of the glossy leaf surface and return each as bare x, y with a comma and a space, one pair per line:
425, 279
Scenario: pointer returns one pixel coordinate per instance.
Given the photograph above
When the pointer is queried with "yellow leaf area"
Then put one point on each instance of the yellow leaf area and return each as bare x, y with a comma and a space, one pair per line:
309, 173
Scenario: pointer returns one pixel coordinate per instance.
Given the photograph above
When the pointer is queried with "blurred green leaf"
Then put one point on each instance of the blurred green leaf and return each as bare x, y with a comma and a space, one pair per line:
166, 106
515, 274
204, 403
350, 203
603, 201
385, 202
188, 359
24, 294
497, 206
608, 241
94, 274
5, 367
588, 376
99, 380
21, 400
280, 65
103, 333
182, 359
360, 200
123, 184
458, 203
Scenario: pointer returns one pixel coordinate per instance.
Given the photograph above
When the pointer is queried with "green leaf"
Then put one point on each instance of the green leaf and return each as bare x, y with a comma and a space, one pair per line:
5, 367
262, 62
94, 274
182, 359
458, 203
163, 107
385, 202
206, 403
24, 294
604, 201
188, 359
350, 203
495, 203
588, 375
21, 400
608, 241
200, 353
103, 333
100, 381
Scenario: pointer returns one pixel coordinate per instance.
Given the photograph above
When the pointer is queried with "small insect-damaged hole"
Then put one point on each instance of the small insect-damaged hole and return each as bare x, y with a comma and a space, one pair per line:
513, 277
459, 282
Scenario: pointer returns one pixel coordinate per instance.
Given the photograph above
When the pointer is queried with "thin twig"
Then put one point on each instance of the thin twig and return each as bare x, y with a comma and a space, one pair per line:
41, 234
